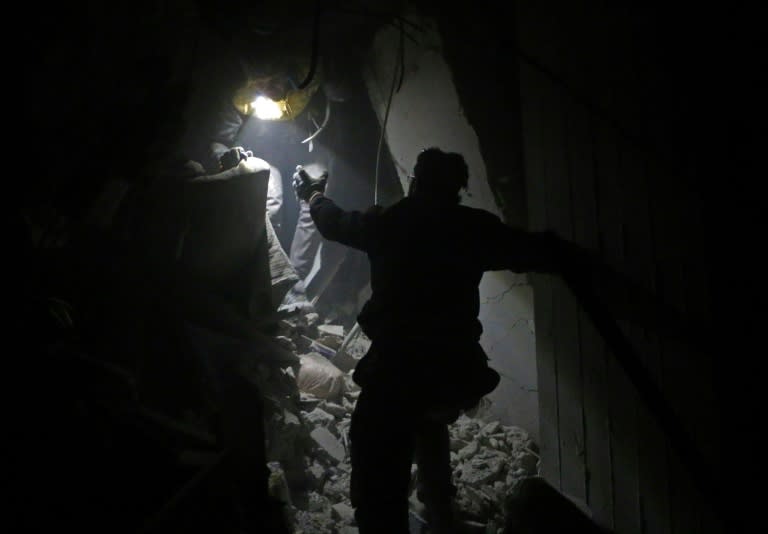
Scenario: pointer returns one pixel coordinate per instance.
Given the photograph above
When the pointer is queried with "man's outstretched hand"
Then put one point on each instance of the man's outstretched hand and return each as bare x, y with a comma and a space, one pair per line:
305, 185
232, 157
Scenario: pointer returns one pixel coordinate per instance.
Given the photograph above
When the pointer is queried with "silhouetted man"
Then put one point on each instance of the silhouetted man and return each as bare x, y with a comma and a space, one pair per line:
427, 256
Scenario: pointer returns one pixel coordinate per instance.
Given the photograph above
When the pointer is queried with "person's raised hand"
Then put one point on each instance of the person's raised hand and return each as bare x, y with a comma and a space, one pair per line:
305, 185
232, 157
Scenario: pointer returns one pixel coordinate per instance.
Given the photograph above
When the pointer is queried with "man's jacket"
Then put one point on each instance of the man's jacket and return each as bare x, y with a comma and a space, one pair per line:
427, 260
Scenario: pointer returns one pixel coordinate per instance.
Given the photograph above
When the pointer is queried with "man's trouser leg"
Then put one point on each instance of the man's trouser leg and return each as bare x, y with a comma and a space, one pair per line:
381, 436
435, 485
305, 243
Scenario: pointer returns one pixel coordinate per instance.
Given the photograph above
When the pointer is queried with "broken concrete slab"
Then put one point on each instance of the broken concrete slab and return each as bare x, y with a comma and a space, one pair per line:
337, 410
319, 417
332, 329
343, 512
328, 443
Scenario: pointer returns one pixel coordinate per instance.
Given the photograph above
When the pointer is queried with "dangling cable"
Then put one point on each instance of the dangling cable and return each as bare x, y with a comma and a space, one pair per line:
397, 74
325, 121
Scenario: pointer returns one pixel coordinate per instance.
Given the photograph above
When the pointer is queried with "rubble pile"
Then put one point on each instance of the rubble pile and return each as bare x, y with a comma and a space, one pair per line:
489, 460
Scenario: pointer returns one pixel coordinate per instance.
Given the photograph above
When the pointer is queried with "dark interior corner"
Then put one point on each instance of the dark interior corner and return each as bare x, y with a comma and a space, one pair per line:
99, 368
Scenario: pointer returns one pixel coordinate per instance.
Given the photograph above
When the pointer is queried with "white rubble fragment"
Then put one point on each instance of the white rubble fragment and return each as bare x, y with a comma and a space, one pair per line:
332, 329
308, 401
343, 512
317, 474
328, 443
313, 523
337, 410
318, 504
289, 372
524, 461
337, 488
488, 460
348, 404
469, 450
483, 469
319, 417
490, 428
473, 502
345, 466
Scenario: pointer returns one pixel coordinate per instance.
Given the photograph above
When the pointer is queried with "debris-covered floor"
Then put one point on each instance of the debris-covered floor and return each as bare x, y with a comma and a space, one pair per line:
309, 411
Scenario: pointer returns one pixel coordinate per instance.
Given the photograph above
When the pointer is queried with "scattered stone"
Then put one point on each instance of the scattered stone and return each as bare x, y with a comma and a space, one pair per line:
490, 428
343, 512
319, 504
317, 474
469, 450
332, 329
337, 488
328, 443
337, 410
308, 428
313, 523
319, 417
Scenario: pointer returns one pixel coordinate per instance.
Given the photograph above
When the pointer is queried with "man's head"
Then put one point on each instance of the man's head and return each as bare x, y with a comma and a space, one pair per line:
439, 175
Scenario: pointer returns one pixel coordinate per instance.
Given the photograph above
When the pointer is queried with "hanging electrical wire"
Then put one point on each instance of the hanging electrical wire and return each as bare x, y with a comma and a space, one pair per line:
315, 47
325, 121
397, 75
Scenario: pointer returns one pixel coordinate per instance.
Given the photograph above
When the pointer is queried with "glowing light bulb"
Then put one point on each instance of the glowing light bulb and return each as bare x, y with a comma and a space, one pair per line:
266, 109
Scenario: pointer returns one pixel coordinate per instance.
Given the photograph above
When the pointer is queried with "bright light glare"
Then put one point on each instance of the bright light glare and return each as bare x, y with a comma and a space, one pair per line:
266, 109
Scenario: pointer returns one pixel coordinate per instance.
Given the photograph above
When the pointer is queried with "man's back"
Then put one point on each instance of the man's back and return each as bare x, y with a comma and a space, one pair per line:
427, 260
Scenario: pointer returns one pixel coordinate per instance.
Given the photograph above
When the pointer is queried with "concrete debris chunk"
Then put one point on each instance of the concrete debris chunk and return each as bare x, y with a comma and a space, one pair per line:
490, 428
332, 329
337, 488
349, 406
318, 504
309, 402
343, 512
308, 428
469, 450
337, 410
482, 469
525, 461
313, 523
319, 417
488, 460
474, 502
316, 474
328, 443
